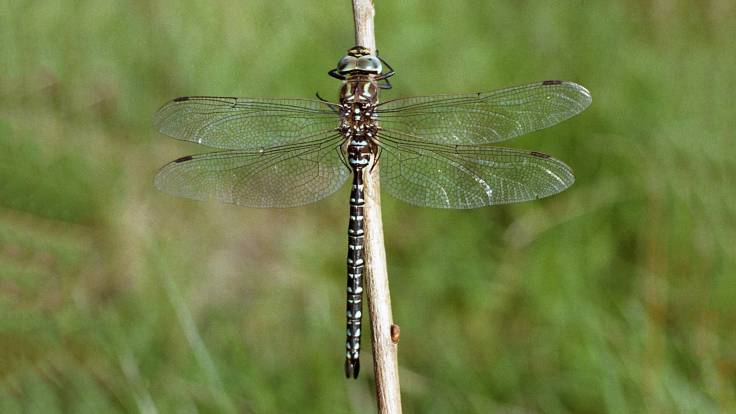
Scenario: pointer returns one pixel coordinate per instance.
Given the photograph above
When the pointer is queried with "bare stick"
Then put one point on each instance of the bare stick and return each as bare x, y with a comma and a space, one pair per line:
385, 363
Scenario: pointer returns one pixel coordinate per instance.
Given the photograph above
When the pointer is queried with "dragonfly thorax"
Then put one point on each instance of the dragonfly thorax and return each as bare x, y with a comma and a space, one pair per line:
358, 98
359, 89
358, 121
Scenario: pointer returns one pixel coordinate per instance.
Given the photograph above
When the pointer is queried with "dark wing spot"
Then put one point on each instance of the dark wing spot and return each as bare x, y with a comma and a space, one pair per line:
539, 154
552, 82
182, 159
181, 99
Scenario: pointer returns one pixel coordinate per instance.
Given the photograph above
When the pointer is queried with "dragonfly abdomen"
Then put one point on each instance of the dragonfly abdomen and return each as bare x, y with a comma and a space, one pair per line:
356, 265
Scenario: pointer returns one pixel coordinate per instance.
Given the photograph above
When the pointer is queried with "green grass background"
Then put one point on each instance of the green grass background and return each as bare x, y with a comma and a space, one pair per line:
616, 296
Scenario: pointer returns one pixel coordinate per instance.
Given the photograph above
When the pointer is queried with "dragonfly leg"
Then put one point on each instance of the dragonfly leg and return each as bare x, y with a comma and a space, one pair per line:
332, 106
386, 75
342, 155
335, 74
386, 85
375, 161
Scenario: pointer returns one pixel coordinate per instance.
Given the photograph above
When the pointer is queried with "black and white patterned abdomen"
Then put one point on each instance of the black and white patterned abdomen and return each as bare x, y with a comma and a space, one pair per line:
359, 129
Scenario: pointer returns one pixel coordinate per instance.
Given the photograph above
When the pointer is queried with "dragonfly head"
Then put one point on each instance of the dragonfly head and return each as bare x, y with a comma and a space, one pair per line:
359, 59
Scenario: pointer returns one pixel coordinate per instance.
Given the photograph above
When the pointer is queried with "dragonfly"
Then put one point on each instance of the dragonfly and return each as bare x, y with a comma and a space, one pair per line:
433, 151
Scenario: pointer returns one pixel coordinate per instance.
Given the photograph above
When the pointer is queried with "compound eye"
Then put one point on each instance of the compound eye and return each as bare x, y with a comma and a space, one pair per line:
370, 64
347, 64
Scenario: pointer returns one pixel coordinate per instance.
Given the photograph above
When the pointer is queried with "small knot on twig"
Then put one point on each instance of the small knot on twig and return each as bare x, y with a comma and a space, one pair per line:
395, 333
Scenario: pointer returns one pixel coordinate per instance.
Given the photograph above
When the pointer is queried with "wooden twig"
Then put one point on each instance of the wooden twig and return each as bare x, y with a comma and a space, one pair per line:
385, 362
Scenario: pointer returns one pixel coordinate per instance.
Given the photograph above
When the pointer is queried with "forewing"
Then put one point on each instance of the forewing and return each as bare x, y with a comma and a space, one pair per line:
287, 176
483, 118
467, 176
244, 123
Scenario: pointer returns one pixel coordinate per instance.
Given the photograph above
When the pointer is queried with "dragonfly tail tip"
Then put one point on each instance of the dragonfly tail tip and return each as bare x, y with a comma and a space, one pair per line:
352, 368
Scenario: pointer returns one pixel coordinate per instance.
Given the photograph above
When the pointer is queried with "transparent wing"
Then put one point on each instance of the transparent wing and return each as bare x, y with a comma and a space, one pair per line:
483, 118
467, 176
286, 176
244, 123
